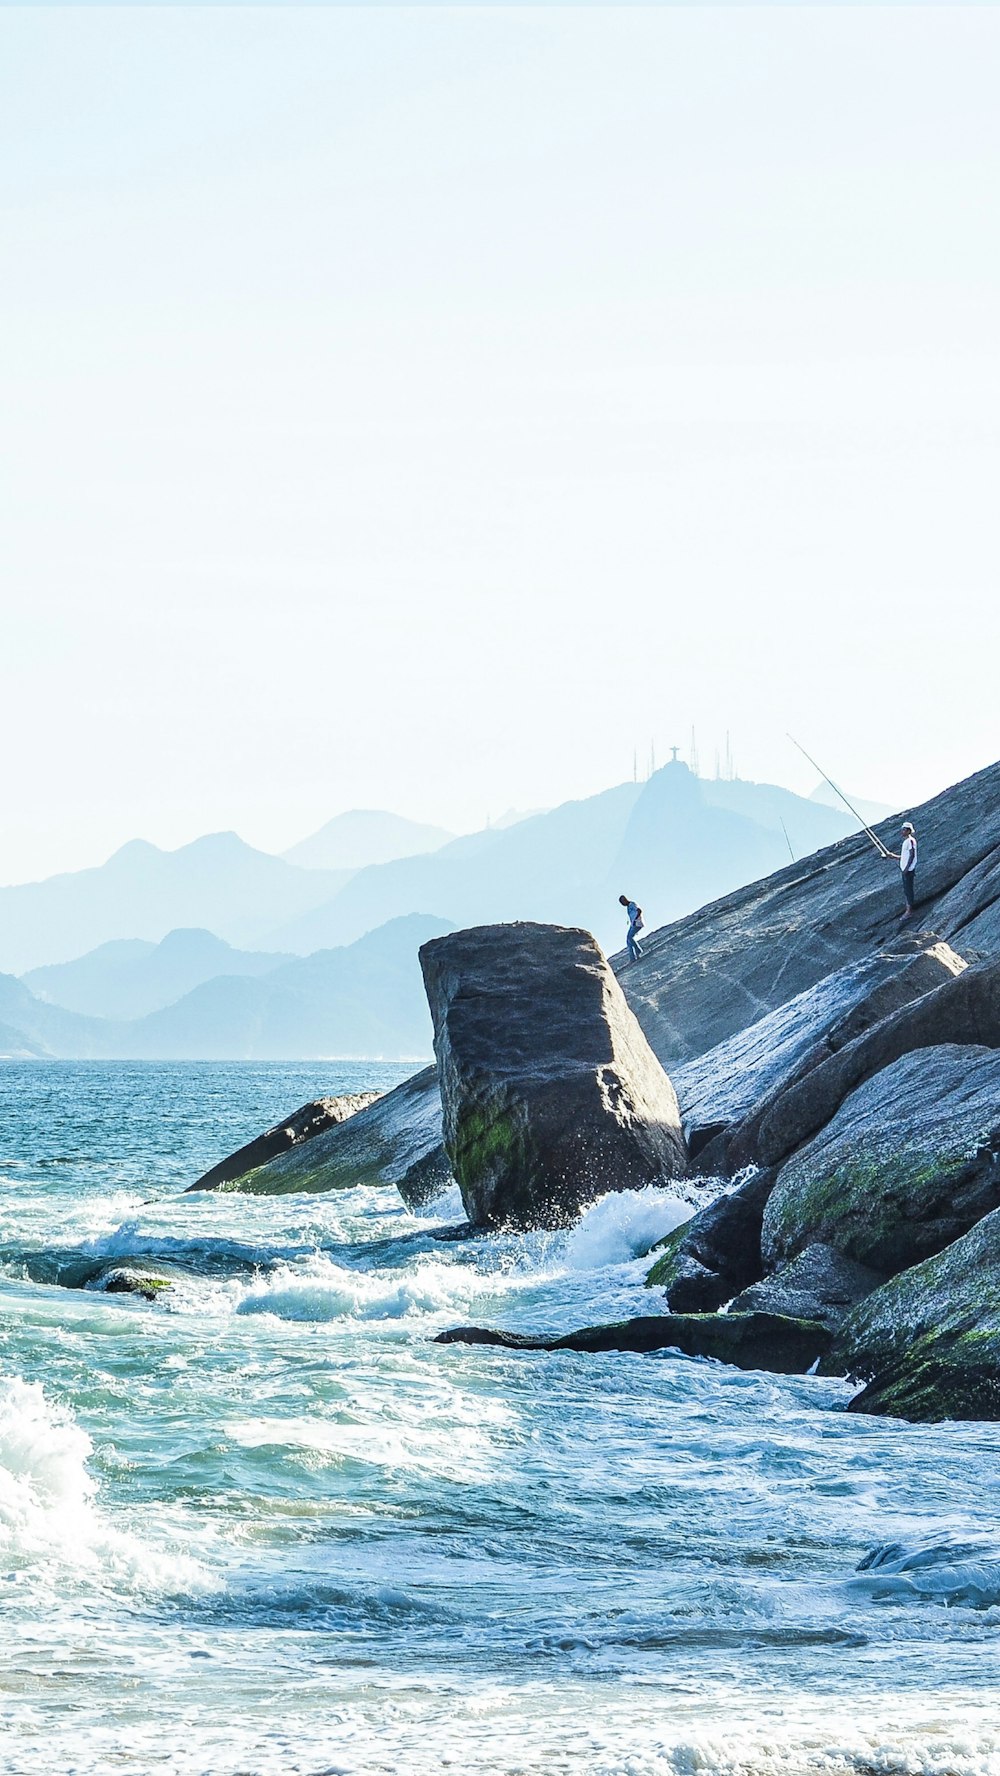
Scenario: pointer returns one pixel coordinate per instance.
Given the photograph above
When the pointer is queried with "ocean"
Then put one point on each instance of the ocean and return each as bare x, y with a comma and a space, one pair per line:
263, 1524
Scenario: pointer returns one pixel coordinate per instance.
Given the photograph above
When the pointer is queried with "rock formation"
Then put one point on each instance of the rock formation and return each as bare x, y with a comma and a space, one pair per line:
721, 969
394, 1140
706, 1260
550, 1092
928, 1342
303, 1125
748, 1341
909, 1163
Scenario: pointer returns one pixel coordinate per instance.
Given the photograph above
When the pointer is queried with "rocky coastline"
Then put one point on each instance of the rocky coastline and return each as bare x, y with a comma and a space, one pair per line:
823, 1085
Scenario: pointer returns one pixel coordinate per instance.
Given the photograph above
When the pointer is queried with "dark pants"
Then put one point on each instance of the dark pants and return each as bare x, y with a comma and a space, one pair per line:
908, 876
633, 947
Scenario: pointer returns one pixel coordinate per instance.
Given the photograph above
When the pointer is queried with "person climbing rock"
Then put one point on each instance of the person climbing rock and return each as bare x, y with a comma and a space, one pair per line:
908, 866
634, 926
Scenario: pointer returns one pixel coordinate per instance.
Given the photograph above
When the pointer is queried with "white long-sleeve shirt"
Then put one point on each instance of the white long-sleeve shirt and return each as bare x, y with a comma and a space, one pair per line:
908, 854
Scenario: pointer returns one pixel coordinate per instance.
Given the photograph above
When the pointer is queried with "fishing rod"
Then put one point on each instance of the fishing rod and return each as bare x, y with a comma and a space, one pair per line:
788, 841
876, 841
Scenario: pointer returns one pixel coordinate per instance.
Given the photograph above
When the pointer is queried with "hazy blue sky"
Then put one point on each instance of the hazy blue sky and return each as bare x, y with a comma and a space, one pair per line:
422, 408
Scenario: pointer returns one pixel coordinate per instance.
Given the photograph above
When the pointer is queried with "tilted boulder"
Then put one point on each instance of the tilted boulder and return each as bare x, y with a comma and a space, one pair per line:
303, 1125
550, 1092
395, 1140
965, 1010
928, 1343
708, 1259
909, 1163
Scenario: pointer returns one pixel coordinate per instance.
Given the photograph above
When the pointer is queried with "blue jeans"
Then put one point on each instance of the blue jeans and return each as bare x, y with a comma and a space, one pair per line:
633, 947
908, 876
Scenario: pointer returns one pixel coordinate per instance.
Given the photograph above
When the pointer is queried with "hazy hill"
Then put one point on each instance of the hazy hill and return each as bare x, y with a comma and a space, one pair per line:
872, 812
217, 882
130, 977
362, 837
47, 1029
673, 843
366, 999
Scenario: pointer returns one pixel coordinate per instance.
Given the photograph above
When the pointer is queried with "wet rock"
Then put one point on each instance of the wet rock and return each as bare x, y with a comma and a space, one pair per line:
725, 1093
395, 1140
747, 1341
820, 1284
551, 1095
311, 1120
719, 970
909, 1163
710, 1258
965, 1009
132, 1276
927, 1343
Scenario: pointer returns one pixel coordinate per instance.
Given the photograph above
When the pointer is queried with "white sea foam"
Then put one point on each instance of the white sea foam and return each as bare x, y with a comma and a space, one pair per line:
624, 1225
49, 1511
319, 1289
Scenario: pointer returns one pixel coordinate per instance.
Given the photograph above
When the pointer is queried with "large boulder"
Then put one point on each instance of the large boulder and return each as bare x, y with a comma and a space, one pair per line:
722, 968
704, 1262
550, 1092
965, 1009
726, 1094
909, 1163
928, 1343
303, 1125
395, 1140
747, 1341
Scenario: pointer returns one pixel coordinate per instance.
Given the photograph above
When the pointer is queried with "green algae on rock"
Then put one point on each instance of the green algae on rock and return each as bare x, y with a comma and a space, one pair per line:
927, 1344
909, 1163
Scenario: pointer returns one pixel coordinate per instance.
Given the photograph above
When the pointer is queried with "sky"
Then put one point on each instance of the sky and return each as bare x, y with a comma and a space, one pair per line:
435, 408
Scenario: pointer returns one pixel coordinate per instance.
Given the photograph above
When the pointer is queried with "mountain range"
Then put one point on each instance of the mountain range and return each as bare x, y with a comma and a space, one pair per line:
365, 999
218, 950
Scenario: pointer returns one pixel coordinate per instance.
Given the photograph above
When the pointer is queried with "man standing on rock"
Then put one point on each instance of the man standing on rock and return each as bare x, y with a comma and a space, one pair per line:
634, 926
908, 866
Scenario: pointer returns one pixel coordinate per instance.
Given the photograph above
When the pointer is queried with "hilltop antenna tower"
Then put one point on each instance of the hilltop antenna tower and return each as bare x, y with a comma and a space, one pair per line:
693, 754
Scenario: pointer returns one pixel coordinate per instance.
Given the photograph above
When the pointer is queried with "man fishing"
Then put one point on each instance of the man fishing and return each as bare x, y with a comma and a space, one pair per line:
907, 860
634, 926
906, 856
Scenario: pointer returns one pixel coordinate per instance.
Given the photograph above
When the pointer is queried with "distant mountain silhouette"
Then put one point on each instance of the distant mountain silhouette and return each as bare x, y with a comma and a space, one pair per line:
130, 977
362, 837
871, 812
673, 843
217, 882
363, 1000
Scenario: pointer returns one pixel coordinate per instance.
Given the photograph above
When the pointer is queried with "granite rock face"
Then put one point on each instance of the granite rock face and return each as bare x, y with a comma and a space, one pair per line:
394, 1140
550, 1093
928, 1343
965, 1009
820, 1284
709, 1258
742, 1085
908, 1164
721, 969
311, 1120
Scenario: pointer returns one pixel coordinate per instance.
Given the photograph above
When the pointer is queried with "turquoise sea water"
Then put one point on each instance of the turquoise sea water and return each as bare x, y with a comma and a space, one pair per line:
264, 1524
